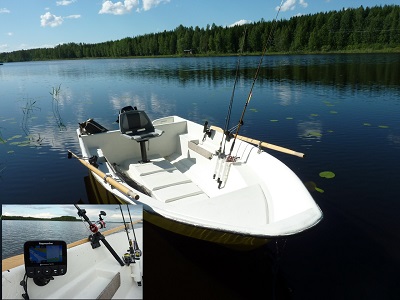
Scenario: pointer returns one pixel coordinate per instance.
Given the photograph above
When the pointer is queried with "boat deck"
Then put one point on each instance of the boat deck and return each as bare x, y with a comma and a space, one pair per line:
178, 182
166, 182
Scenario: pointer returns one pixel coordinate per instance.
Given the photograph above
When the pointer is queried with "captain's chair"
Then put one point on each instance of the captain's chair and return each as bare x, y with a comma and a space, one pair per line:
136, 125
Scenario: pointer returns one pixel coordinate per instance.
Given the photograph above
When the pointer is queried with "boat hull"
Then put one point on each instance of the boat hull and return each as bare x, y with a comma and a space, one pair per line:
226, 239
97, 194
259, 198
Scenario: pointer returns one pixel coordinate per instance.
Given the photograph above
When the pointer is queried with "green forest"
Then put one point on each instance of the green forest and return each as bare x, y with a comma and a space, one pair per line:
62, 218
360, 29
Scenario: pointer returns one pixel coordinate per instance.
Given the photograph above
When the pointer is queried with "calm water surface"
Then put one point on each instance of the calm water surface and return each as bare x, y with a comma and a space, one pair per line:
16, 232
342, 111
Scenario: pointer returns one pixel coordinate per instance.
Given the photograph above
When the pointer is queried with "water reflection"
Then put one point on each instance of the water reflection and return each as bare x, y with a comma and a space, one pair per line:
153, 103
310, 130
341, 71
346, 91
395, 139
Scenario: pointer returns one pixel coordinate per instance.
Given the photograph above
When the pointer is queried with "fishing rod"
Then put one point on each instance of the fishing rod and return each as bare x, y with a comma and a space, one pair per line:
240, 123
221, 153
96, 235
228, 117
138, 253
134, 251
230, 158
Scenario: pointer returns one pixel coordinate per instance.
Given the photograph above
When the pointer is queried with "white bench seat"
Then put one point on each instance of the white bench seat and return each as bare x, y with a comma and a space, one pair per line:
164, 180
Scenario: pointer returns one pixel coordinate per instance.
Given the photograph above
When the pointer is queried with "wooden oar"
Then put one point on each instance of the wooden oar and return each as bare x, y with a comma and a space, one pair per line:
108, 179
263, 144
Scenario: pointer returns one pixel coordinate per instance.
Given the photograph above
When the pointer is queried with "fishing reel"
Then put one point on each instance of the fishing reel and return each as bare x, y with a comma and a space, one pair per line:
206, 130
92, 160
133, 253
94, 227
94, 238
100, 224
132, 259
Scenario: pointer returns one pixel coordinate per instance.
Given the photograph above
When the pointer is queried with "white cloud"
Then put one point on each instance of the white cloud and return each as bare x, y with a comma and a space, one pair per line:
50, 20
73, 17
45, 215
4, 11
303, 3
118, 8
240, 22
291, 5
65, 2
3, 47
10, 33
124, 7
149, 4
288, 5
24, 46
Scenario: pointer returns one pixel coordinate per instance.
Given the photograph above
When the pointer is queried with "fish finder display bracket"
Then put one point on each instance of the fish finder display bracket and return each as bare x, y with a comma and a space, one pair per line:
45, 259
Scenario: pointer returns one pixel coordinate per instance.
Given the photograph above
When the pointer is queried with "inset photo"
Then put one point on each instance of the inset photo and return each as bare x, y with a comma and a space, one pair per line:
72, 251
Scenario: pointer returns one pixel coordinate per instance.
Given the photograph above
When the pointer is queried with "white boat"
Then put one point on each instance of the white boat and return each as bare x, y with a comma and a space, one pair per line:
171, 167
91, 273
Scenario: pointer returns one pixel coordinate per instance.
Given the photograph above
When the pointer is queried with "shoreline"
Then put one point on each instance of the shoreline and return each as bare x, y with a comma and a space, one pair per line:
344, 52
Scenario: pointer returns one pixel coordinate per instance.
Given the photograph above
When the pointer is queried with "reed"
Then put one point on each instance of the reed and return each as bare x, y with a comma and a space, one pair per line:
55, 104
27, 111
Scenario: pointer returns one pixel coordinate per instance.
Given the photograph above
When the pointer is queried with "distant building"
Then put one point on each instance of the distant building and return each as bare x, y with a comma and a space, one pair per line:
188, 51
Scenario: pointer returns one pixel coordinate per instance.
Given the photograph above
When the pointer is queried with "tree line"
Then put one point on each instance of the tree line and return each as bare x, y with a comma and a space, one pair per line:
356, 29
62, 218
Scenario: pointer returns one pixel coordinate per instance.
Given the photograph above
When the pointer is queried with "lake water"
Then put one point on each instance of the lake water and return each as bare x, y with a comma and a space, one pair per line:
342, 111
16, 232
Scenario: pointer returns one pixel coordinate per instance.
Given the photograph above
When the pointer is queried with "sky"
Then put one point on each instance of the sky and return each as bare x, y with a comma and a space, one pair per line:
92, 211
28, 24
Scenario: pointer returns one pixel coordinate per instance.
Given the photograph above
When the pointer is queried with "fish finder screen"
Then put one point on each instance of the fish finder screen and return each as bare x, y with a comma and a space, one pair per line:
45, 254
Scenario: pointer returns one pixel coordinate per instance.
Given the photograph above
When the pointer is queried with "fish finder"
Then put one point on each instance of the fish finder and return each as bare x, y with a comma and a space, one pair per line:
45, 259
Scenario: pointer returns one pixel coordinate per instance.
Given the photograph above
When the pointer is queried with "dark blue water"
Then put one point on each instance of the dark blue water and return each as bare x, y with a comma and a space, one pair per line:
342, 111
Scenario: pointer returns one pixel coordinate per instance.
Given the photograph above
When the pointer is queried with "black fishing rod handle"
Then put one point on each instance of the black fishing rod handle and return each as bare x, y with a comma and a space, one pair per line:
112, 251
82, 213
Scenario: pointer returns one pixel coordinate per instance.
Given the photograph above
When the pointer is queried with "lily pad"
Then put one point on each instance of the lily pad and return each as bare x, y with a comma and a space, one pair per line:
20, 144
15, 137
253, 109
312, 186
314, 115
289, 118
383, 126
333, 112
327, 174
24, 144
274, 120
367, 124
315, 133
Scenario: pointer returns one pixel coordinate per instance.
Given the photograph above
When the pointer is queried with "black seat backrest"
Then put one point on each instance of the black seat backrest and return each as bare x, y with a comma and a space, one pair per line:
135, 122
